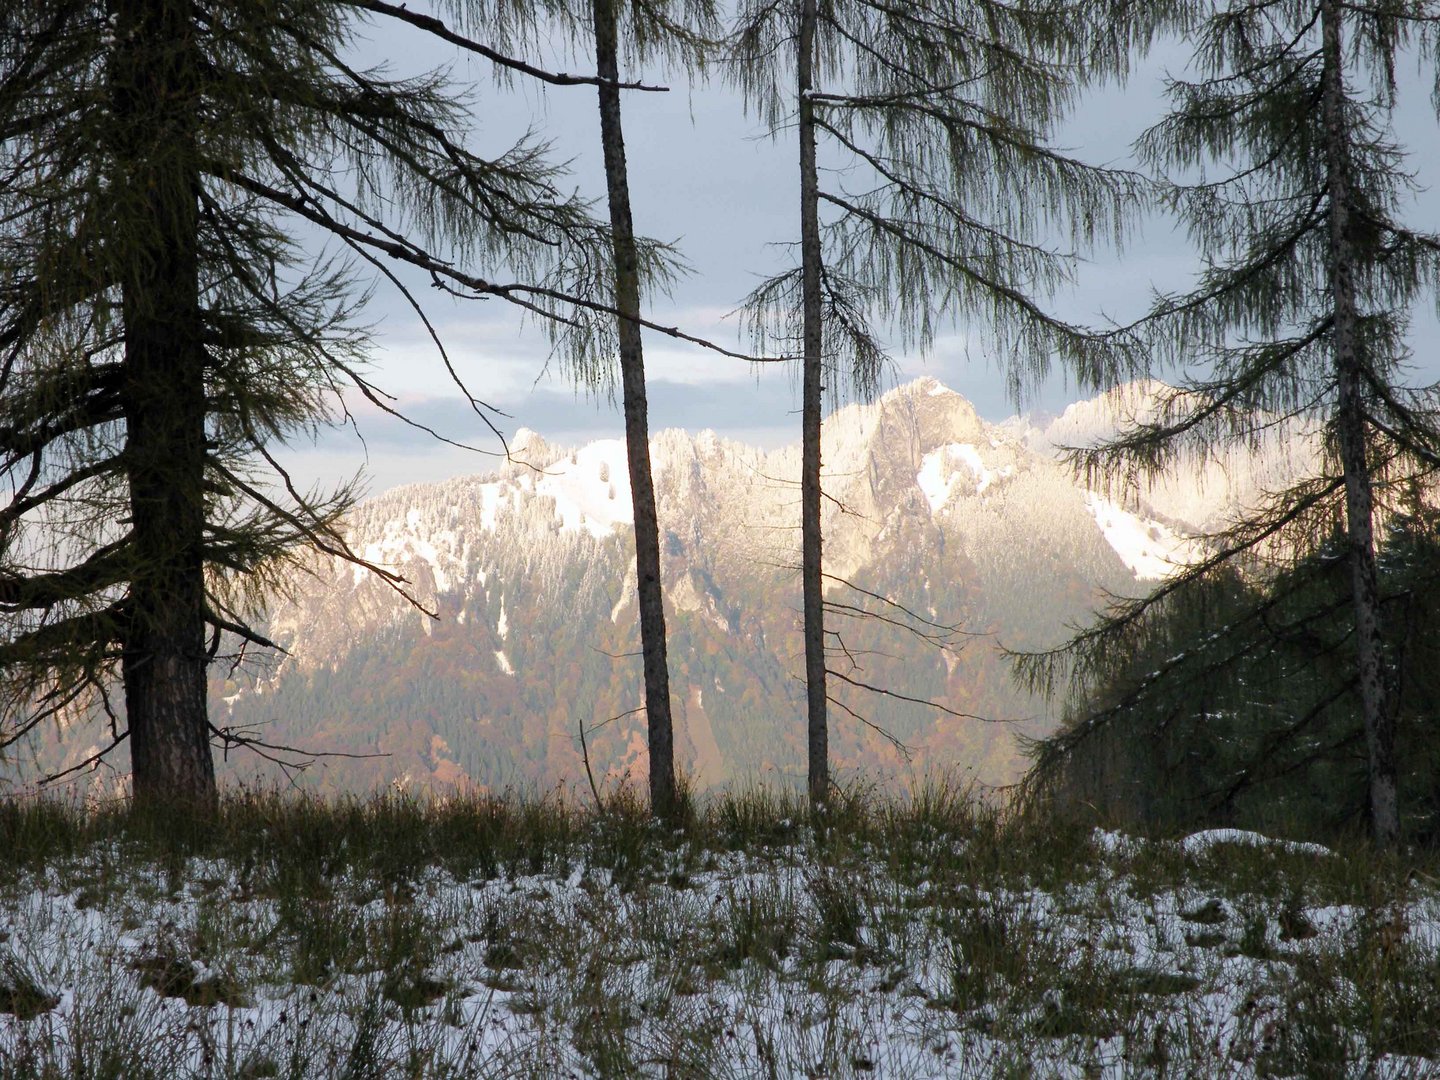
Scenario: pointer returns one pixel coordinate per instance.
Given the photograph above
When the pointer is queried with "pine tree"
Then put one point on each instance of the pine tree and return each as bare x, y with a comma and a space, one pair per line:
162, 328
1300, 316
940, 114
1256, 722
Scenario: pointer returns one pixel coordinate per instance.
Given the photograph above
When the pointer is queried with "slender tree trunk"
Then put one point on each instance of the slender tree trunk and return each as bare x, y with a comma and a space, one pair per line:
817, 727
157, 182
637, 422
1350, 432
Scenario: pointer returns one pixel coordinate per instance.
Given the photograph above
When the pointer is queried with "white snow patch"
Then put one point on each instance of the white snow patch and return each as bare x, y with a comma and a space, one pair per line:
967, 453
1150, 550
1105, 924
489, 505
504, 662
401, 544
593, 492
1116, 843
932, 480
937, 477
1208, 838
427, 551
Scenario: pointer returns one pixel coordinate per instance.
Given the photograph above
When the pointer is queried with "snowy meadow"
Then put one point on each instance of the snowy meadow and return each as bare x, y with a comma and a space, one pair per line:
925, 937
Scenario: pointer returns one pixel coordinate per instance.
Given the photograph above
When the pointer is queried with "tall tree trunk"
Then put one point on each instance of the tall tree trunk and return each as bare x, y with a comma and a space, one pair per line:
157, 182
637, 422
1350, 433
817, 727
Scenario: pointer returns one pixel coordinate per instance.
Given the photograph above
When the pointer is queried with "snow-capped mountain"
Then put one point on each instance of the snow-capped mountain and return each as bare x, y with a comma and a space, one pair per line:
523, 627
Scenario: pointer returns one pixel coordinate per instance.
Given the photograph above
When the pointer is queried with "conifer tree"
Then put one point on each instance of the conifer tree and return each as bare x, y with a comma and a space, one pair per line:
944, 193
1255, 722
161, 328
1300, 315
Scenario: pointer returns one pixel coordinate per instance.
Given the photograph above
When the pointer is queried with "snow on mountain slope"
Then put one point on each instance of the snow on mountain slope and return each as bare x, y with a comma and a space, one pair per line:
937, 476
920, 441
1085, 423
1152, 551
591, 488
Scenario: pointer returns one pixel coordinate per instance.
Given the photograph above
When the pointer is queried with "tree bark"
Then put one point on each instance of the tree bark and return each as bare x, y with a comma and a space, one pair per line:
817, 725
658, 717
1350, 435
154, 93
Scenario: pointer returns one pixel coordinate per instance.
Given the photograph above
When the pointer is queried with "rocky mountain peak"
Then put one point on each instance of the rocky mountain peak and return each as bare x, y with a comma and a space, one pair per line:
530, 571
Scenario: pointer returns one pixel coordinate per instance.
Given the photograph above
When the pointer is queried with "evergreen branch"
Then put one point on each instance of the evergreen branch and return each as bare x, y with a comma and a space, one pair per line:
52, 704
371, 393
906, 697
91, 762
997, 289
898, 97
327, 542
81, 639
21, 440
852, 611
242, 631
1149, 446
996, 129
106, 567
1232, 280
514, 292
945, 205
946, 627
1037, 670
438, 29
478, 407
1263, 767
905, 750
468, 167
231, 737
23, 502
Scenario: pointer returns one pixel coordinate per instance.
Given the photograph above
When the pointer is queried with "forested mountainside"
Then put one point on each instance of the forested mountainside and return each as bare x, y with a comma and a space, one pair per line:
528, 573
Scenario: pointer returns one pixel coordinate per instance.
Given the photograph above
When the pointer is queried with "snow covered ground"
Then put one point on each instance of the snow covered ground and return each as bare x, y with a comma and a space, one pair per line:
1225, 955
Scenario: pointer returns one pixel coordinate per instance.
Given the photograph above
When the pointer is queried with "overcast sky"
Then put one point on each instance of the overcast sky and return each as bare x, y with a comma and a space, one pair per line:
709, 178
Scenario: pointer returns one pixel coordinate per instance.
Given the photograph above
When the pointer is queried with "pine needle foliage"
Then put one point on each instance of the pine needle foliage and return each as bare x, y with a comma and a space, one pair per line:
1256, 721
943, 192
165, 322
1292, 186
